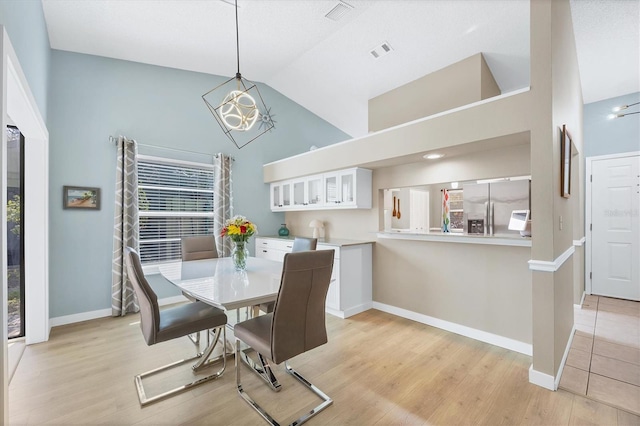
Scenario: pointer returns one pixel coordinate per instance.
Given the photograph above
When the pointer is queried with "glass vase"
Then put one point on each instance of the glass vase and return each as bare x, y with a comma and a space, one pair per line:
283, 231
239, 255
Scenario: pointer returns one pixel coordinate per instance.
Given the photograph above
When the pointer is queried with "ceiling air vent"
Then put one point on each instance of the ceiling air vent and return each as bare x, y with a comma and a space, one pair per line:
381, 50
339, 11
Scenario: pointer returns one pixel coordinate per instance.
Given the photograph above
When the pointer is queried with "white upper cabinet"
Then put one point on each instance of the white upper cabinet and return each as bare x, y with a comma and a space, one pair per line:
349, 188
307, 191
315, 190
281, 195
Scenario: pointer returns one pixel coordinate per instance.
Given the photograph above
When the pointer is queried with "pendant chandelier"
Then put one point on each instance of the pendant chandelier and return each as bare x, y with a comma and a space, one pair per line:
618, 112
237, 105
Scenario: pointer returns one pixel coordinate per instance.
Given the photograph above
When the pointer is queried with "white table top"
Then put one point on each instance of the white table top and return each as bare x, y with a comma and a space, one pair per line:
216, 282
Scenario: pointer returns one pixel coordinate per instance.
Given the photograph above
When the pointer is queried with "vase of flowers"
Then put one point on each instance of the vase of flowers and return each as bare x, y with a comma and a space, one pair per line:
239, 230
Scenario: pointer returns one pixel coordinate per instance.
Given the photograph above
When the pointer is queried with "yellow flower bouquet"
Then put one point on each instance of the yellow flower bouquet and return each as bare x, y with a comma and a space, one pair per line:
239, 230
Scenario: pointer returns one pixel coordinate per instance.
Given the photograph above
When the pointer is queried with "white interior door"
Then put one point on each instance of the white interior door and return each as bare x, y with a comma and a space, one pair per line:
615, 205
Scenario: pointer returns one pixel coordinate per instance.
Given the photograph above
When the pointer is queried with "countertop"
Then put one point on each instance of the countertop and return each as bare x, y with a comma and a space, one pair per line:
452, 237
337, 242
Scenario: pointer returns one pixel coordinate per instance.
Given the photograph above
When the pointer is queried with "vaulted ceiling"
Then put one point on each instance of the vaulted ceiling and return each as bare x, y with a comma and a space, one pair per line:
326, 64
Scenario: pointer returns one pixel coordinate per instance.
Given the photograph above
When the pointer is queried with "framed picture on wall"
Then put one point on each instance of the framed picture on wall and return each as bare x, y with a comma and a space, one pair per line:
80, 197
565, 163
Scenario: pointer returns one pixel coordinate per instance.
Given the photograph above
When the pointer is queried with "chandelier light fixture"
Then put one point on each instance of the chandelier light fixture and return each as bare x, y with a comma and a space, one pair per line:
617, 114
237, 105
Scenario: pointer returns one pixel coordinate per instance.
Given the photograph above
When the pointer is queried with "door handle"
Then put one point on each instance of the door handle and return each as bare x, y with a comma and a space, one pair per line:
491, 210
485, 218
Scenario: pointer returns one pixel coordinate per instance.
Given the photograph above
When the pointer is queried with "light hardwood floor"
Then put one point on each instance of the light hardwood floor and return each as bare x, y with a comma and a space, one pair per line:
378, 368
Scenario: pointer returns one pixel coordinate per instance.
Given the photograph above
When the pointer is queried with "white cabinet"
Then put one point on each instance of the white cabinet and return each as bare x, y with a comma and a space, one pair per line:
349, 188
350, 290
307, 191
273, 248
341, 187
281, 195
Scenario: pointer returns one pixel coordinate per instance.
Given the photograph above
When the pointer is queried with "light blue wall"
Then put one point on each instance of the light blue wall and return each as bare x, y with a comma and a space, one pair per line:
93, 97
603, 136
24, 22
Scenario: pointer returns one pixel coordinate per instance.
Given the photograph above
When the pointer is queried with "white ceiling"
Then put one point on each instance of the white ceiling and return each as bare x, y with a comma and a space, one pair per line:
326, 66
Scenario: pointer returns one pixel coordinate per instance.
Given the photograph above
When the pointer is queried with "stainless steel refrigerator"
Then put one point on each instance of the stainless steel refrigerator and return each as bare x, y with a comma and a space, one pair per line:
487, 207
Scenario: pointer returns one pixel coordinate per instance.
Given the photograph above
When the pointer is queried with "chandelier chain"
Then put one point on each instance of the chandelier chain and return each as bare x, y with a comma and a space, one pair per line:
237, 40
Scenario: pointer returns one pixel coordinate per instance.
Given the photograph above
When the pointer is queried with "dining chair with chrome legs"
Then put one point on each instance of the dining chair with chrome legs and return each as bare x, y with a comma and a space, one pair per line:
299, 244
296, 325
162, 325
198, 248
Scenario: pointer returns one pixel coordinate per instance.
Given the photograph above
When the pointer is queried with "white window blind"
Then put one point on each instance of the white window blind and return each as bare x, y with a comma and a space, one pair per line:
175, 200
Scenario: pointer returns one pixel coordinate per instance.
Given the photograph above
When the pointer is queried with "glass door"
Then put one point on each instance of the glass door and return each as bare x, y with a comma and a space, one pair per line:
314, 190
331, 188
298, 193
347, 186
15, 230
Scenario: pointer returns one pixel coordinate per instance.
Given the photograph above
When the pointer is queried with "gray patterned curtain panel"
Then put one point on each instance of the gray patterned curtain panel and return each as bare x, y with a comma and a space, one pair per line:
222, 200
126, 231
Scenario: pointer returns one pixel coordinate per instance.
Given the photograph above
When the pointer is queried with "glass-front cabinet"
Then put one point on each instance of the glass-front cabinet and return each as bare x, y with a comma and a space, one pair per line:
340, 187
307, 191
281, 195
349, 188
315, 190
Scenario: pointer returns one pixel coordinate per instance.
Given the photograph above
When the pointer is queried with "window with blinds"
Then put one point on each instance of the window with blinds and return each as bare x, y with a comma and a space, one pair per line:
175, 200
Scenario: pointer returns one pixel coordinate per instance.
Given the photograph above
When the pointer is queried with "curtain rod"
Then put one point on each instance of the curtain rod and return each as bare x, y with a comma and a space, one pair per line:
113, 139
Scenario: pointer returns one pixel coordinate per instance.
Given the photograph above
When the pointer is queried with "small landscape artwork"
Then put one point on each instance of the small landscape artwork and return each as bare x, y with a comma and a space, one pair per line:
81, 197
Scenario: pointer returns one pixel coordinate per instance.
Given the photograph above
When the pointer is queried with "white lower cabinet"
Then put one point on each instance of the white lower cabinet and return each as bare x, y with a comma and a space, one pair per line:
272, 248
350, 290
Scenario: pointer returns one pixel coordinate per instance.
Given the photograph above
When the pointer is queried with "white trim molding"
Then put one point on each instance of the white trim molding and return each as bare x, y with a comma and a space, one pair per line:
544, 380
580, 242
18, 104
551, 266
483, 336
102, 313
564, 357
21, 107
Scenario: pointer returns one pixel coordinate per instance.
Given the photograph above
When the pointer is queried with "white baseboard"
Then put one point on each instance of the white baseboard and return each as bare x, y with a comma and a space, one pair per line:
335, 312
357, 309
584, 294
15, 349
84, 316
541, 379
101, 313
564, 357
349, 312
483, 336
545, 380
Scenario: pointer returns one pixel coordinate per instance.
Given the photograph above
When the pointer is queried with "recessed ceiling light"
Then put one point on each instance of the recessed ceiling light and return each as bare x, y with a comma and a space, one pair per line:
382, 49
433, 156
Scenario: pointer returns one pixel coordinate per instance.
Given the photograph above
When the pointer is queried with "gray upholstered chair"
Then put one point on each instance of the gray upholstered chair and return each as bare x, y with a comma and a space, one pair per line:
166, 324
299, 244
303, 244
296, 325
200, 247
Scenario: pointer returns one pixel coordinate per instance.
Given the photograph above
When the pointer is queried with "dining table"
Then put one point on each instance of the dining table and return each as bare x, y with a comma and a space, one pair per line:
217, 283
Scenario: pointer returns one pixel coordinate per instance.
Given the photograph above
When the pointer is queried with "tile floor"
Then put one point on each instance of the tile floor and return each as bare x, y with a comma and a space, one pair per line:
604, 358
